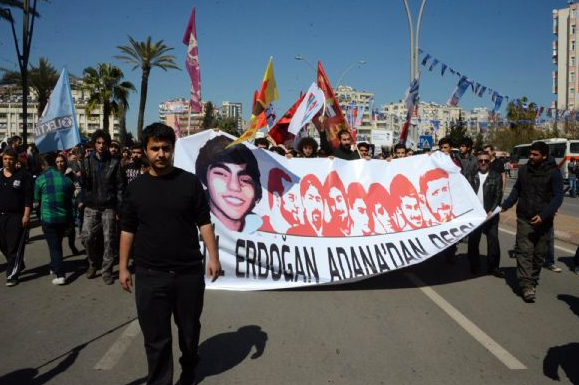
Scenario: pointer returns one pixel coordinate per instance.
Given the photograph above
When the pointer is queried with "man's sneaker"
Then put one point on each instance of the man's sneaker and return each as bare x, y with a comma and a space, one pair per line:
497, 273
59, 281
11, 282
91, 273
529, 295
576, 270
553, 268
108, 279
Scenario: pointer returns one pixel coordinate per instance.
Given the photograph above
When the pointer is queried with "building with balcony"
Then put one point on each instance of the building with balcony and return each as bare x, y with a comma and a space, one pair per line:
11, 116
232, 110
565, 57
175, 113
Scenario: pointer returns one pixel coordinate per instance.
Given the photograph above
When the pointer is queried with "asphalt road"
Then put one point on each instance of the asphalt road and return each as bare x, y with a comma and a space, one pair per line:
433, 323
570, 205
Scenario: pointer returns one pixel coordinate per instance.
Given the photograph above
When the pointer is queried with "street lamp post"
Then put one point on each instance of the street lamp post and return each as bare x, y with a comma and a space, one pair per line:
358, 62
414, 44
301, 58
27, 29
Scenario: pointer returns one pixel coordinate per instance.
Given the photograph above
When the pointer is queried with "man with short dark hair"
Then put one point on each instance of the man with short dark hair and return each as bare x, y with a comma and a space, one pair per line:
467, 159
488, 186
497, 164
400, 150
344, 149
103, 184
133, 169
364, 149
15, 207
538, 193
164, 210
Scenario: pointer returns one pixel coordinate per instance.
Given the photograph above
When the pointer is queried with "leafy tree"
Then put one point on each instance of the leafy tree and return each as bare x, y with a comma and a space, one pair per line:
479, 143
457, 131
41, 79
107, 90
228, 125
209, 119
146, 55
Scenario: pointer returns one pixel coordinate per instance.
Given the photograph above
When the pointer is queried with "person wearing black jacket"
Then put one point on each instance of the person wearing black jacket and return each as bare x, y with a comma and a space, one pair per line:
15, 207
539, 193
488, 185
103, 185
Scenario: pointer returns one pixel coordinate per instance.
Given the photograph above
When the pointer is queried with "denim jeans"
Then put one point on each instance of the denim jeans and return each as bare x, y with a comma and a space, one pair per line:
572, 186
54, 233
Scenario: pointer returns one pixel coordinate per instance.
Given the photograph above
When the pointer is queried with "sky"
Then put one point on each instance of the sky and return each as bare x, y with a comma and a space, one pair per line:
502, 44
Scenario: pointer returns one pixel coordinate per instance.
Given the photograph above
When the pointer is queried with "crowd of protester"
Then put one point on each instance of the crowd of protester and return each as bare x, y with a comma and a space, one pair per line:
82, 189
76, 190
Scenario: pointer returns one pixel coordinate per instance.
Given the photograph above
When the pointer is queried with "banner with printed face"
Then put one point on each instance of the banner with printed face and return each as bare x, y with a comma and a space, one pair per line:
284, 223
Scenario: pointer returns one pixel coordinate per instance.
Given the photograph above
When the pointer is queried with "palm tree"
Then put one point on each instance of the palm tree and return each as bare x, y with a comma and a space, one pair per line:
146, 55
41, 79
5, 12
106, 88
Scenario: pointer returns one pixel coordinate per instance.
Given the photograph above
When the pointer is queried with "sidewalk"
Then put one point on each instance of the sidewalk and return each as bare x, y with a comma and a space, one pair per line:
566, 226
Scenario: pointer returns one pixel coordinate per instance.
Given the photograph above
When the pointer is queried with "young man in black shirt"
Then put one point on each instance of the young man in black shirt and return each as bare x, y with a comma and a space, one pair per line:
15, 207
162, 211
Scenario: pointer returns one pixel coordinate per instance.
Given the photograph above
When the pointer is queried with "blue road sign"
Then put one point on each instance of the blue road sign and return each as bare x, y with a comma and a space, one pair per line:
426, 141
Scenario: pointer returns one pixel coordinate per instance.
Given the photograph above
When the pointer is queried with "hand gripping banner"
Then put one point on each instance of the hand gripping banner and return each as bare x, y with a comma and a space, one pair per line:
284, 223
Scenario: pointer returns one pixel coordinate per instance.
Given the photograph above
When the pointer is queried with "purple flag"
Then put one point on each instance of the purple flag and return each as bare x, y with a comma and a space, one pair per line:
192, 64
460, 89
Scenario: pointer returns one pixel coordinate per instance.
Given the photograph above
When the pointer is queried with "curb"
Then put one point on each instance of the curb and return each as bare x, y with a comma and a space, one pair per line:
566, 226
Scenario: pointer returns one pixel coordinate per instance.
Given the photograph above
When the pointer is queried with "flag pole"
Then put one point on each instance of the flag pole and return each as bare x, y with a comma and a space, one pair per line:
189, 120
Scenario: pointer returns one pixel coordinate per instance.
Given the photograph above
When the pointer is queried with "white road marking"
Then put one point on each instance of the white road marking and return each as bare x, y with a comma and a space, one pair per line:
557, 247
484, 339
116, 351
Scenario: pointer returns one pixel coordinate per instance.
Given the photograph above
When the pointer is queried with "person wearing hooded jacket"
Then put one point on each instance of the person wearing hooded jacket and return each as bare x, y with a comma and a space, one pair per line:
539, 193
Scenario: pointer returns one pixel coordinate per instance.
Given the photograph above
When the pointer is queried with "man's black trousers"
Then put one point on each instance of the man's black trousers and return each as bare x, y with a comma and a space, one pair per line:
491, 229
12, 242
160, 294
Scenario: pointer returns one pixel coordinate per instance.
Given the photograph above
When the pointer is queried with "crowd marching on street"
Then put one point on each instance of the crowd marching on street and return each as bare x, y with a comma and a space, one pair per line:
124, 198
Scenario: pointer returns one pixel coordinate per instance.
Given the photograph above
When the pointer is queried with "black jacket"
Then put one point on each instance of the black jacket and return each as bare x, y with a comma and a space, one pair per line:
492, 189
538, 190
103, 182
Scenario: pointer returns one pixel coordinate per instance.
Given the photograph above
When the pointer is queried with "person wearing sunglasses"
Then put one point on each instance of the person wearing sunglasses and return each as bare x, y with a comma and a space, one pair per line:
488, 185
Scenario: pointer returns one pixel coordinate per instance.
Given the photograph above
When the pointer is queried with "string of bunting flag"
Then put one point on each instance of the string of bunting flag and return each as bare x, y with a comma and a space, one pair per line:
430, 62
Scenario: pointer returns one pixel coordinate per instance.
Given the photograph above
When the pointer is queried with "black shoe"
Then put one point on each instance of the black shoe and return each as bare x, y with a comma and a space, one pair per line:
474, 270
529, 295
91, 273
512, 254
11, 282
108, 279
497, 273
74, 251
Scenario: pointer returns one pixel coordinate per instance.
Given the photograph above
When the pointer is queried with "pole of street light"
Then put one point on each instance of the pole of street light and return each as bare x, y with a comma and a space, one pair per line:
414, 44
27, 29
360, 62
301, 58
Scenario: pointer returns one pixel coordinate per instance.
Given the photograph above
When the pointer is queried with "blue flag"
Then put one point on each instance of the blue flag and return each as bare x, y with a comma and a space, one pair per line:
57, 128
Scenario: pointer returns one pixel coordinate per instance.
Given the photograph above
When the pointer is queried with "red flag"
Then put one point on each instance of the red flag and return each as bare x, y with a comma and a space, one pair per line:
335, 120
192, 64
279, 132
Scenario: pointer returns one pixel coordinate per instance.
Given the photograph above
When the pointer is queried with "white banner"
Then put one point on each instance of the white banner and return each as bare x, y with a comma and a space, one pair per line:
284, 223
